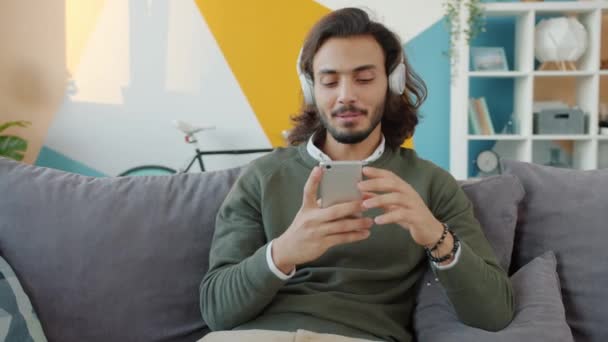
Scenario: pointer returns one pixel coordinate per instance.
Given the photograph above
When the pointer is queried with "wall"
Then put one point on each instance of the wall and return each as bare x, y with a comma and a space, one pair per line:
134, 66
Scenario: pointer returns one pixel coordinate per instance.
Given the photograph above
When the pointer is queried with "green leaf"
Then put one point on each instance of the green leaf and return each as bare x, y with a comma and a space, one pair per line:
20, 123
12, 147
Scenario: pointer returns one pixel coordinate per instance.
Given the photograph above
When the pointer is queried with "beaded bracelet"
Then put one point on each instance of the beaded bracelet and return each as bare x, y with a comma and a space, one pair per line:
443, 235
448, 256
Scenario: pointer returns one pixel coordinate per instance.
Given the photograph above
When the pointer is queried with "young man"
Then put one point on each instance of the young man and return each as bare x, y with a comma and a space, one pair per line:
282, 266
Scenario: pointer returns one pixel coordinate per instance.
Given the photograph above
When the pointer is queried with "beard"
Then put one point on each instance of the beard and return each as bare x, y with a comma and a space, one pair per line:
345, 136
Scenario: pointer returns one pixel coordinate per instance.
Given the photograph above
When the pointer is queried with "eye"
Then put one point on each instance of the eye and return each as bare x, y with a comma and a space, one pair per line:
365, 80
329, 84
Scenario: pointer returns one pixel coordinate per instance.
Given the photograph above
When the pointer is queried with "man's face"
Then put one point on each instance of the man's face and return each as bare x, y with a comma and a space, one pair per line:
350, 86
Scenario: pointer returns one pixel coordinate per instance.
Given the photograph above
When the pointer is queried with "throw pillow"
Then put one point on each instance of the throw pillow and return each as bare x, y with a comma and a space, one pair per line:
18, 321
539, 311
495, 201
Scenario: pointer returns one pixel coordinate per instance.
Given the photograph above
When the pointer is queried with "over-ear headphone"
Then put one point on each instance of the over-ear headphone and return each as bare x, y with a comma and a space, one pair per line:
305, 83
396, 80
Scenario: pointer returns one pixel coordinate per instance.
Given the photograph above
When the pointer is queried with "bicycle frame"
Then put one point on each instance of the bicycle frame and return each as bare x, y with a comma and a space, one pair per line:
199, 156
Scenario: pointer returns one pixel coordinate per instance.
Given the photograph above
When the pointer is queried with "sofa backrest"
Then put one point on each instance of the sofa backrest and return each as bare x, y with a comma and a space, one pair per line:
121, 259
111, 259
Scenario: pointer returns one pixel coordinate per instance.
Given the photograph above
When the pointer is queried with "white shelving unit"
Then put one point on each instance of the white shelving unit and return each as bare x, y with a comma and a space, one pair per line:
590, 150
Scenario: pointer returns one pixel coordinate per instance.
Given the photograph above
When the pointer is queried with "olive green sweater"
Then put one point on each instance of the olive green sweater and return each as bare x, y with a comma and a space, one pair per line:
364, 289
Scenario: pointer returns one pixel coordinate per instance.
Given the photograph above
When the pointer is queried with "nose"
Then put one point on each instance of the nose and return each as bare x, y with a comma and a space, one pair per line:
346, 93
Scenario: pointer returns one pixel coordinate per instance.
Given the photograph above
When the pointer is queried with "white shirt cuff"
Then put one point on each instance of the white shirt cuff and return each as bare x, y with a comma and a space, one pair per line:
451, 264
274, 267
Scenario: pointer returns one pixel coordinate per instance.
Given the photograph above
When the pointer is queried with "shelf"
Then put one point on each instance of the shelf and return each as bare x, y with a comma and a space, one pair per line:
558, 73
496, 137
497, 74
537, 73
561, 137
513, 93
516, 8
569, 6
538, 137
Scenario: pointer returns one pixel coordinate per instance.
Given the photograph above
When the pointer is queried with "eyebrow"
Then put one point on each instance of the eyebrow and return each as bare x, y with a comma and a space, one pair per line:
357, 69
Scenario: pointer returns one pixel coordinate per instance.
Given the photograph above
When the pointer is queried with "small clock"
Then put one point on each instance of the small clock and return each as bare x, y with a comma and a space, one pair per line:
488, 163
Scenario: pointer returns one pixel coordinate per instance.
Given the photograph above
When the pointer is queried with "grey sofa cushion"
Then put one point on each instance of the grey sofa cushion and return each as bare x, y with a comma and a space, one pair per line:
566, 211
111, 259
539, 312
495, 203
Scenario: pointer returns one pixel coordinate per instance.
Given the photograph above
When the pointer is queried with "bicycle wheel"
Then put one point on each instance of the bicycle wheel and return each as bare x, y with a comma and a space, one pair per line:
149, 170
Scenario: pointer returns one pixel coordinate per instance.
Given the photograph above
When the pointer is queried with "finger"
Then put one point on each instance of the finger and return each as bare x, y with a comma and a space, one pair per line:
394, 216
368, 195
339, 211
387, 200
345, 226
382, 185
338, 239
311, 187
373, 172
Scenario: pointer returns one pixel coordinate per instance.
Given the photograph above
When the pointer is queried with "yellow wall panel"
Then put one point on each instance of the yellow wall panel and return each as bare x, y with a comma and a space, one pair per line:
260, 41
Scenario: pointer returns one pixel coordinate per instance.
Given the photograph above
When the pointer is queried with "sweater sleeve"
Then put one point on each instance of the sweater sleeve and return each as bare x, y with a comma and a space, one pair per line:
239, 283
478, 288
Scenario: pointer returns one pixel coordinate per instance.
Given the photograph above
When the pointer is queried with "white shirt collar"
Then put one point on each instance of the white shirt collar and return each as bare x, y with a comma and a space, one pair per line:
317, 154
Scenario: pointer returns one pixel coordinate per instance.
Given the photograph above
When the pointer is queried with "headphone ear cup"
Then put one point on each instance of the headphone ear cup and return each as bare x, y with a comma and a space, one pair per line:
305, 82
307, 89
396, 80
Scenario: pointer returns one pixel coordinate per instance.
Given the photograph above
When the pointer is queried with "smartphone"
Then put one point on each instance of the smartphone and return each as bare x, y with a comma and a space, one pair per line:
339, 182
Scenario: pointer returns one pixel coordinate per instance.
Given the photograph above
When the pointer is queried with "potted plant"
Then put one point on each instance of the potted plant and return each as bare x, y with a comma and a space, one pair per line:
12, 146
475, 24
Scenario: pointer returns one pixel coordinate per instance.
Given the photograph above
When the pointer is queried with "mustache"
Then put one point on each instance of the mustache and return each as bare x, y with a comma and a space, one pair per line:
349, 108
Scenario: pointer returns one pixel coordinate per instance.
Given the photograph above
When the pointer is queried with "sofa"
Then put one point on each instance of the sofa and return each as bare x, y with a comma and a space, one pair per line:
121, 258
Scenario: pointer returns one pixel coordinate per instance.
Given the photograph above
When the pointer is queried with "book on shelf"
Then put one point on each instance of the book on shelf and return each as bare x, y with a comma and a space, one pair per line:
474, 128
479, 117
486, 115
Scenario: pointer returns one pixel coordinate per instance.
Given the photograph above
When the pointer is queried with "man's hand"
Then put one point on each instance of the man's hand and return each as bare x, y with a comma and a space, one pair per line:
402, 205
314, 230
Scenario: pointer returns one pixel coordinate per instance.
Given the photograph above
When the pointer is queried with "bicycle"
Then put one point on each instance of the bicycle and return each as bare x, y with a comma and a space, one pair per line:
189, 130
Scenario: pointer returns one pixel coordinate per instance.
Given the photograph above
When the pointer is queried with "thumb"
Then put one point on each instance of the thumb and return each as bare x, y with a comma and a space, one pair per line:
311, 187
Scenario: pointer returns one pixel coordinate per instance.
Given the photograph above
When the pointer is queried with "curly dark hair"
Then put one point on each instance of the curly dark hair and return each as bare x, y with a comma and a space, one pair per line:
400, 115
